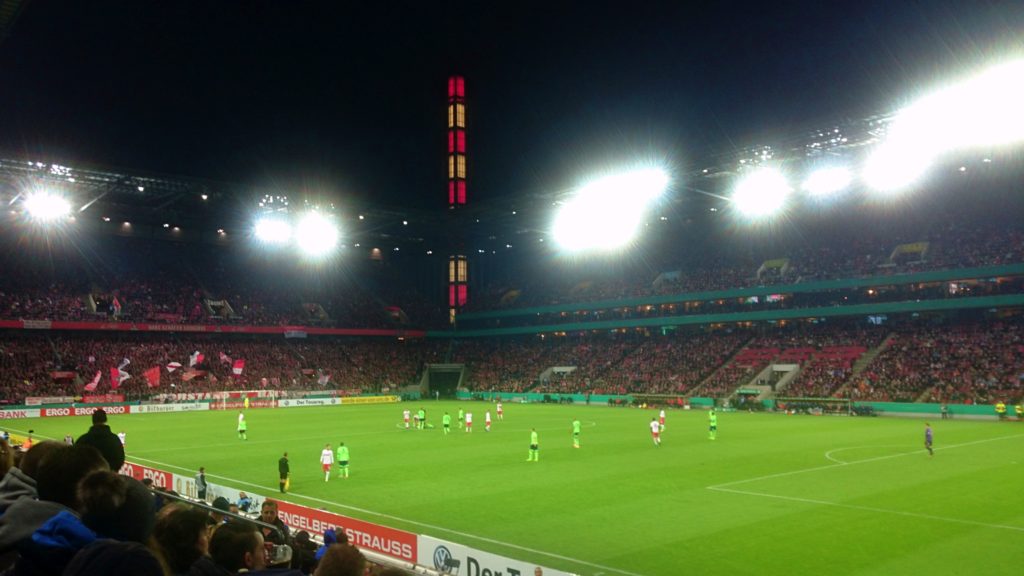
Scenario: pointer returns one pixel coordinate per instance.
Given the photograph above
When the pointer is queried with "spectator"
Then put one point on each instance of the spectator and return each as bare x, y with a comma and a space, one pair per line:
268, 515
183, 536
220, 503
201, 484
238, 546
244, 502
116, 506
100, 437
341, 560
106, 557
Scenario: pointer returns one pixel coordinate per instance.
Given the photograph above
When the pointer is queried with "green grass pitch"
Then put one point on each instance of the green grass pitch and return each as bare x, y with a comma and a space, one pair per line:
773, 494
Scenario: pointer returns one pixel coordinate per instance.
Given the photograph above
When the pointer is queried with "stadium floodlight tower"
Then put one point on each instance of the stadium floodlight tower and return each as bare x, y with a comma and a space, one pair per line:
316, 234
605, 214
827, 181
46, 207
981, 111
273, 230
761, 193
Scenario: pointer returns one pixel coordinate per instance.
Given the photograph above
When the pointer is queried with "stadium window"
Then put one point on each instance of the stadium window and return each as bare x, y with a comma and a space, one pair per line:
451, 141
451, 116
463, 294
451, 167
461, 166
451, 294
451, 315
463, 269
460, 115
460, 141
451, 192
462, 192
451, 269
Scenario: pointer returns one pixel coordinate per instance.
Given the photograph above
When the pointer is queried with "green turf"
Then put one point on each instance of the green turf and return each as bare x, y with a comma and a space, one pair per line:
623, 506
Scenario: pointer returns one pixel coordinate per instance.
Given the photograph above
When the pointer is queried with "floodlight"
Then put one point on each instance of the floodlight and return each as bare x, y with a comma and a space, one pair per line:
605, 213
826, 181
644, 184
316, 235
596, 222
761, 193
273, 231
46, 207
892, 166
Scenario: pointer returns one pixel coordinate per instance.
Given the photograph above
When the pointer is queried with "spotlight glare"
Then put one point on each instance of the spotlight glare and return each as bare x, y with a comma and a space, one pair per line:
316, 235
761, 193
47, 207
827, 181
893, 167
273, 231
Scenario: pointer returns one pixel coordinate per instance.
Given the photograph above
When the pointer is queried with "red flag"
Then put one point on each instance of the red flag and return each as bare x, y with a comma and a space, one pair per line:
91, 386
153, 377
117, 377
238, 367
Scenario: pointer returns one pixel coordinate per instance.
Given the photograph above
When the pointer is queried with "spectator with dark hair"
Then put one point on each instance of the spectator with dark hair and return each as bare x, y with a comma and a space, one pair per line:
341, 560
116, 506
104, 440
183, 535
106, 557
48, 532
303, 552
268, 514
238, 547
19, 481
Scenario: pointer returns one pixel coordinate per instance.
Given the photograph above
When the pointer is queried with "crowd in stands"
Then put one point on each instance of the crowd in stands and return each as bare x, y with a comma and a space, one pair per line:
820, 254
28, 364
65, 510
965, 363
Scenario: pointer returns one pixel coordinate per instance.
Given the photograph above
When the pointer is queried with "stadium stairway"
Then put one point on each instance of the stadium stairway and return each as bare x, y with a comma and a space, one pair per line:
714, 373
863, 362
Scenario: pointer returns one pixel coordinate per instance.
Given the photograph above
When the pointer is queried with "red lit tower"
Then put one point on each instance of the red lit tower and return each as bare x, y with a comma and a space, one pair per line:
458, 265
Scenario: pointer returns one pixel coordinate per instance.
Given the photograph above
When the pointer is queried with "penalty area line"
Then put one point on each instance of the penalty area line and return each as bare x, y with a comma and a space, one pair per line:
406, 521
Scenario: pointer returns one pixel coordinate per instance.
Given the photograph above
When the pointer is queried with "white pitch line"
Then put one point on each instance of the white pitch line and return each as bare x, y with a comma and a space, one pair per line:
828, 455
865, 461
869, 509
411, 522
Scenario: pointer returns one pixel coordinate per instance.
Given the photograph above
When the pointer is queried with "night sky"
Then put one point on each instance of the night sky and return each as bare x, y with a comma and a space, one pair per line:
350, 97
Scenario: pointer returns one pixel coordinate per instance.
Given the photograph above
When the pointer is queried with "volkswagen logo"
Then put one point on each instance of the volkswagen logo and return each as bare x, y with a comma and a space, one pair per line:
441, 557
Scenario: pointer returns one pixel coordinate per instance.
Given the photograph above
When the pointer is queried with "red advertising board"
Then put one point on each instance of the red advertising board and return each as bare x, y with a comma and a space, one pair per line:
160, 478
102, 398
388, 541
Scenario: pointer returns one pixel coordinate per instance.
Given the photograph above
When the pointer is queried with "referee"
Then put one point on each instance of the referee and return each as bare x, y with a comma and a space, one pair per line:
283, 470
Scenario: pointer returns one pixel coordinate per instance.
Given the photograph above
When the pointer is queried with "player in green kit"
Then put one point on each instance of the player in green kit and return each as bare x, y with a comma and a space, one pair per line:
534, 454
576, 433
423, 419
462, 418
243, 427
342, 460
712, 424
446, 423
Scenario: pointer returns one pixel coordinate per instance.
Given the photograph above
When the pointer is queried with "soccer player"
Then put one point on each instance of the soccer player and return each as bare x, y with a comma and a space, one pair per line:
406, 414
422, 415
487, 421
661, 419
245, 402
446, 423
712, 424
576, 433
326, 460
469, 421
656, 432
534, 454
282, 470
120, 436
462, 417
242, 427
928, 439
70, 440
501, 412
342, 460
